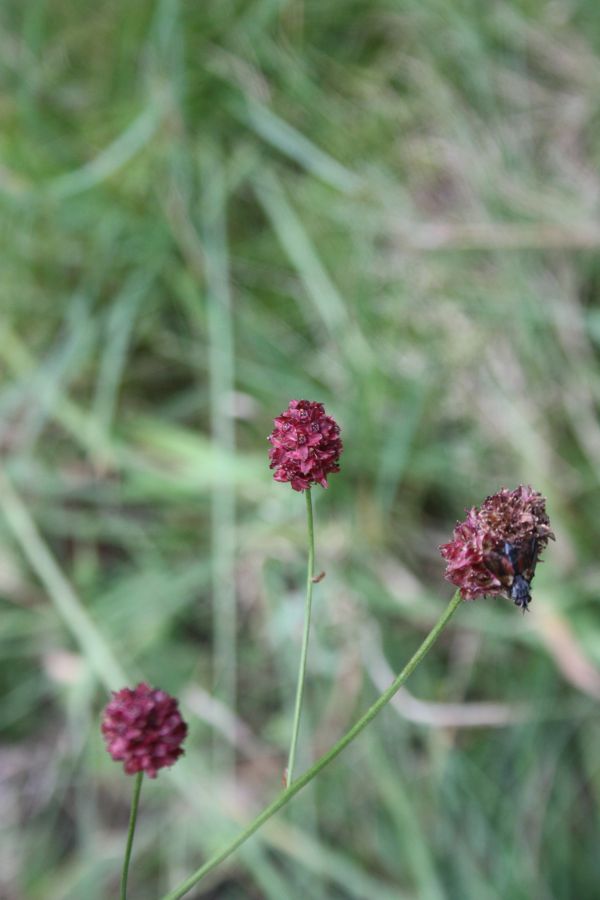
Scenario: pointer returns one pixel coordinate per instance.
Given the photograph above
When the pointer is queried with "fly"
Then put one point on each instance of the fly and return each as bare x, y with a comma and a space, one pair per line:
514, 567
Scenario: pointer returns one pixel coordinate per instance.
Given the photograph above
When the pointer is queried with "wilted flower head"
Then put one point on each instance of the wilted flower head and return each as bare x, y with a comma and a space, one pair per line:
306, 445
143, 728
498, 543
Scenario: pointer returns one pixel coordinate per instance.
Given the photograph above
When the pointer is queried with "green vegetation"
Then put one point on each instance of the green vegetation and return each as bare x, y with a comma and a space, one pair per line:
208, 208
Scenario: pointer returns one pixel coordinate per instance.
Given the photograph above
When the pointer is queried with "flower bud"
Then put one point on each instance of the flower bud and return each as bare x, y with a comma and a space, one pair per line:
143, 728
305, 445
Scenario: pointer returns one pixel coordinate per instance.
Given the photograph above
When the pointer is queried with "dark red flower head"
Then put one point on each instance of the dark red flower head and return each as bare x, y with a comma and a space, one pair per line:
306, 445
497, 541
143, 728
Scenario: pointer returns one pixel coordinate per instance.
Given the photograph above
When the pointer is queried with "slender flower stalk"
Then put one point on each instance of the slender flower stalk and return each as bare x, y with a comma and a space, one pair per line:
294, 788
310, 572
137, 787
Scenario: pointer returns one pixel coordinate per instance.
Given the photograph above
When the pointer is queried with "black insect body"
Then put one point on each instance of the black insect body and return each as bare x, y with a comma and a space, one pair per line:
514, 567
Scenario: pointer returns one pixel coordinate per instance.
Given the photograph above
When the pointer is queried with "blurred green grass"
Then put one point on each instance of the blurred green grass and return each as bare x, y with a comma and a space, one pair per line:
208, 209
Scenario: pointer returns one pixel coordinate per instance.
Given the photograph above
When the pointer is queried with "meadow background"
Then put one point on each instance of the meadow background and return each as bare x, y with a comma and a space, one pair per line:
206, 209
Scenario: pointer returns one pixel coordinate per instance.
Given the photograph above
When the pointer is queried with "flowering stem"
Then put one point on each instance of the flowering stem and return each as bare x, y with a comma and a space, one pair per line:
137, 787
285, 796
310, 571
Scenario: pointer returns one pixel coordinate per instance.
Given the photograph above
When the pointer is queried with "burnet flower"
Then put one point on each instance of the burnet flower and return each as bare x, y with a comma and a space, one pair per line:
305, 445
495, 550
305, 449
143, 729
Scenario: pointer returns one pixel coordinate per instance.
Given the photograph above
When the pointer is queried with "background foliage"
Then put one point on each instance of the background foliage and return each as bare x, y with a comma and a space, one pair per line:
209, 208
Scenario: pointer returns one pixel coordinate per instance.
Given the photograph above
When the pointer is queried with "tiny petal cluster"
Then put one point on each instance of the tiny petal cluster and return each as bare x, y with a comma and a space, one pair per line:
515, 517
305, 445
143, 728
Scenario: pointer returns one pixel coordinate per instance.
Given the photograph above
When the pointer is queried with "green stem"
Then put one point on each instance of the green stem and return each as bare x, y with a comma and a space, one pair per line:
137, 787
285, 796
310, 571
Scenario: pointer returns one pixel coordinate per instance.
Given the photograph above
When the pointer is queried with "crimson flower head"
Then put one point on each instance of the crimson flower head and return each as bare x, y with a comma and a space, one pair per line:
305, 445
495, 550
144, 729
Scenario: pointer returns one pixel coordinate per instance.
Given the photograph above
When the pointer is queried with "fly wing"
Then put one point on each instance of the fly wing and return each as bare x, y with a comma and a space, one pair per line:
499, 564
526, 557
